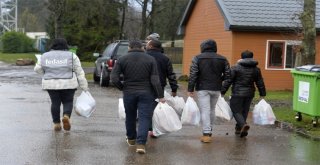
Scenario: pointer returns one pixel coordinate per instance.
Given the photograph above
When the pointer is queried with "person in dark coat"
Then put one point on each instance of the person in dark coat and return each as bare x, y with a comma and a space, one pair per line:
207, 72
245, 75
141, 86
165, 70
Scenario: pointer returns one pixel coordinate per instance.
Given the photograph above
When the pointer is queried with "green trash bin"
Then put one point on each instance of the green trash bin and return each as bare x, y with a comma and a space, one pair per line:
306, 93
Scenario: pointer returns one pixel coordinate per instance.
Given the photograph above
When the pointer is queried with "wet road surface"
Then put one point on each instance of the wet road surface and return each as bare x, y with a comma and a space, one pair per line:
27, 136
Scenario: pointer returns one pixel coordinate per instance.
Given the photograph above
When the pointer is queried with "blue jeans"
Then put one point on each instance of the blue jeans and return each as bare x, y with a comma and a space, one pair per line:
139, 103
64, 96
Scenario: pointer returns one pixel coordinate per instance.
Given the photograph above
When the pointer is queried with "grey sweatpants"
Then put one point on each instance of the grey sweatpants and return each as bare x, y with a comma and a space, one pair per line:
207, 102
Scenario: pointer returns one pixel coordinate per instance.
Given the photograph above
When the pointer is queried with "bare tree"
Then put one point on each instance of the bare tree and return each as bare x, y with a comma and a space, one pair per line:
57, 7
124, 10
308, 48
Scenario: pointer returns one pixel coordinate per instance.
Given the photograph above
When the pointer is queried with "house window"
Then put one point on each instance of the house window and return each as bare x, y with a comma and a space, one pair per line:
282, 54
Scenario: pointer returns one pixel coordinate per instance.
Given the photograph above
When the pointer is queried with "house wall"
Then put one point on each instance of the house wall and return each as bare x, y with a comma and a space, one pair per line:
257, 43
205, 22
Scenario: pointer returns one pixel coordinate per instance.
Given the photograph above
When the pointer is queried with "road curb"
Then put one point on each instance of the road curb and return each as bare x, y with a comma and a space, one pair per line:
291, 128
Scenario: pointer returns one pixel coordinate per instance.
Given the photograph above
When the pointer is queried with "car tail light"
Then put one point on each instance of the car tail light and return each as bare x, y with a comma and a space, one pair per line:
110, 64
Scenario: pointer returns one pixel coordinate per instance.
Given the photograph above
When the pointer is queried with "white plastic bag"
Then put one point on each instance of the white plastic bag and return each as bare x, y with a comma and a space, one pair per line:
165, 120
191, 113
122, 113
177, 103
85, 104
223, 109
263, 114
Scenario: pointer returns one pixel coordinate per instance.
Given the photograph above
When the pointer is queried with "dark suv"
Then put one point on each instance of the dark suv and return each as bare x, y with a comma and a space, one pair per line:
105, 61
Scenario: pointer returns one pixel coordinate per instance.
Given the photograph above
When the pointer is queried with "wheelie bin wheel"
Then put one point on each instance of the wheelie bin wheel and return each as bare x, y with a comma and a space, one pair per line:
298, 116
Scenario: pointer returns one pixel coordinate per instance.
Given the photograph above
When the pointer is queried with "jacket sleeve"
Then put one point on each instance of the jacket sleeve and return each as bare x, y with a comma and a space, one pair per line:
115, 75
260, 83
155, 80
83, 83
171, 77
228, 81
227, 71
194, 69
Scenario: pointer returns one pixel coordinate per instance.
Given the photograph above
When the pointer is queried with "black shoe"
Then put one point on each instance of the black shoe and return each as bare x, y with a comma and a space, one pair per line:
244, 130
237, 130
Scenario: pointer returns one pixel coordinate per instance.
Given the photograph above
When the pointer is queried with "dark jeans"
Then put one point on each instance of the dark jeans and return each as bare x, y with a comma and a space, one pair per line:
240, 107
140, 103
64, 96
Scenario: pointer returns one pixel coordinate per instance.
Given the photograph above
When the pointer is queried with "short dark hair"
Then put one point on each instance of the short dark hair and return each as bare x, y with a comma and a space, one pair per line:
59, 44
208, 45
246, 54
135, 44
155, 44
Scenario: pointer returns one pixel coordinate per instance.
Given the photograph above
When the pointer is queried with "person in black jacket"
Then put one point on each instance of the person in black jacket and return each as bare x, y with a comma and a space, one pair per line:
207, 72
165, 70
244, 76
140, 88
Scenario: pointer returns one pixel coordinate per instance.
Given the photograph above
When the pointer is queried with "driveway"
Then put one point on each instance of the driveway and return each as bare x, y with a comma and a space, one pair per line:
27, 136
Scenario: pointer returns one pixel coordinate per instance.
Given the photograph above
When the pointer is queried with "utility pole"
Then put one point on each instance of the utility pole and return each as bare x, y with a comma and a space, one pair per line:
8, 15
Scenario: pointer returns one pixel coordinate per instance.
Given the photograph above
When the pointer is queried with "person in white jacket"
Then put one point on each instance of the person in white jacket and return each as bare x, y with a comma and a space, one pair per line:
62, 75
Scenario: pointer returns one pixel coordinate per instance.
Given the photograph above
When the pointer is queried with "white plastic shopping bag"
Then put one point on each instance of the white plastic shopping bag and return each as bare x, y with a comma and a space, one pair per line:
191, 113
85, 104
165, 120
177, 102
263, 114
223, 109
122, 113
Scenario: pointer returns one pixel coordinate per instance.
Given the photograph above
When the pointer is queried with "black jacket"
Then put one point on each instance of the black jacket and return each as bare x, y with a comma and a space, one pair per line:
139, 72
207, 71
165, 69
244, 76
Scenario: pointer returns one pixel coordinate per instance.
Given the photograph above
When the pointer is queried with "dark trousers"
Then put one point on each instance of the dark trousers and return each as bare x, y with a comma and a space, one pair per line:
64, 96
141, 104
240, 107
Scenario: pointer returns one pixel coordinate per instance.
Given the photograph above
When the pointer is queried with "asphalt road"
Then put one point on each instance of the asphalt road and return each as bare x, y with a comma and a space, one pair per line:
27, 136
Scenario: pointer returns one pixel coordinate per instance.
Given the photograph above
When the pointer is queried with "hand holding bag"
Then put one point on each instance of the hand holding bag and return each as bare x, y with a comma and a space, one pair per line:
165, 120
191, 113
85, 104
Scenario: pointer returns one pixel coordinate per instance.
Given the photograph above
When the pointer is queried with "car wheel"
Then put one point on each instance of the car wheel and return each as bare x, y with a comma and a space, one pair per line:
95, 77
104, 78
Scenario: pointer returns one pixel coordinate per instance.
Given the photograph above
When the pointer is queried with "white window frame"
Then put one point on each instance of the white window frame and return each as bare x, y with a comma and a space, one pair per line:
286, 42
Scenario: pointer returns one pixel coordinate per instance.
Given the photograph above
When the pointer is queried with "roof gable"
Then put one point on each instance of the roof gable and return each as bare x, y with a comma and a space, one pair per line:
256, 15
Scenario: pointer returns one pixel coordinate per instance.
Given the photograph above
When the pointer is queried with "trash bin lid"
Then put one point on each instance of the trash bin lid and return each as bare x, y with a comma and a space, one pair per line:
309, 68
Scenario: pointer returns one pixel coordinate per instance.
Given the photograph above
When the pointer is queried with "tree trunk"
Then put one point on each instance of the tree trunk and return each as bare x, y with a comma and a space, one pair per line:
144, 19
124, 10
308, 47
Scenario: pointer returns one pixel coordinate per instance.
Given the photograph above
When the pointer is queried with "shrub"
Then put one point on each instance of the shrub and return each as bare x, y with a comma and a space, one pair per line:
16, 42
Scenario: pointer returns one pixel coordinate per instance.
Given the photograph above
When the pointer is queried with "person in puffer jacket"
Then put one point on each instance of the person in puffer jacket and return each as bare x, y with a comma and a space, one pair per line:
245, 75
62, 75
207, 72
